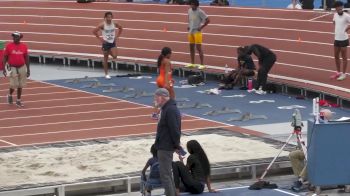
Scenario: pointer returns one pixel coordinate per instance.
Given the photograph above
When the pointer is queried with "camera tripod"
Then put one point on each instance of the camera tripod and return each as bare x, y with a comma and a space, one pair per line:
300, 141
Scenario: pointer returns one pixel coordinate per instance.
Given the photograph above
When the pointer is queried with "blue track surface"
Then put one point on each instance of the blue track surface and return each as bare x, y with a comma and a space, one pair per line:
270, 110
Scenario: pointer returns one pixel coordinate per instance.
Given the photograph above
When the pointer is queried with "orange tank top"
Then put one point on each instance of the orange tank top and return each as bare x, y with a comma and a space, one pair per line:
161, 77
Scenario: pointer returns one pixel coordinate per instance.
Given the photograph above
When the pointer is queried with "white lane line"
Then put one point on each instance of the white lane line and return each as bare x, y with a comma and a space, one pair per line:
160, 30
288, 193
62, 99
180, 42
318, 17
179, 6
7, 84
155, 21
111, 136
61, 106
183, 53
75, 121
30, 88
157, 13
77, 113
48, 93
6, 142
91, 129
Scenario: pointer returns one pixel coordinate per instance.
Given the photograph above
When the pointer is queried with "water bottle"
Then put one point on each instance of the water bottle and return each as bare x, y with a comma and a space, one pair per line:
250, 83
226, 69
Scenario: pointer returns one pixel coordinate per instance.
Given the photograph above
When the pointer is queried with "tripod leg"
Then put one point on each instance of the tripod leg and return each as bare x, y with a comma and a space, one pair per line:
303, 147
274, 159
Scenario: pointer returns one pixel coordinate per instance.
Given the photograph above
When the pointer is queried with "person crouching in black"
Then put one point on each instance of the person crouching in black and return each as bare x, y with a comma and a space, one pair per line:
246, 68
266, 60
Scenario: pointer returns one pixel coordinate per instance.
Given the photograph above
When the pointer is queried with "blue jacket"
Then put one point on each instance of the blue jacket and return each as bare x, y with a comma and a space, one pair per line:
169, 127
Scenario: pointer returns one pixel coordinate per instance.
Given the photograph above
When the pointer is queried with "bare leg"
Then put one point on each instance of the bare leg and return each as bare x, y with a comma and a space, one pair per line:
114, 52
105, 62
192, 52
11, 91
200, 52
19, 93
344, 55
336, 58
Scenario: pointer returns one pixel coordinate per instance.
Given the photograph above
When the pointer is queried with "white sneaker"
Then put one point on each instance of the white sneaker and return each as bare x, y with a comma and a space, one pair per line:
107, 77
341, 77
251, 91
260, 92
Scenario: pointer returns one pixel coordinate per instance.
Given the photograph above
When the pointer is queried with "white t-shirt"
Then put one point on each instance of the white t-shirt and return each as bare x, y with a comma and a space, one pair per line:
195, 19
108, 32
341, 23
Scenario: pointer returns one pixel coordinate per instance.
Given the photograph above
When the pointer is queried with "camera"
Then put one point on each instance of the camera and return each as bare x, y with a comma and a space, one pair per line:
296, 120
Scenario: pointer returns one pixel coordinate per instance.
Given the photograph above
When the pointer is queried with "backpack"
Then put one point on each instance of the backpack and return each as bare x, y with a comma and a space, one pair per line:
195, 79
154, 173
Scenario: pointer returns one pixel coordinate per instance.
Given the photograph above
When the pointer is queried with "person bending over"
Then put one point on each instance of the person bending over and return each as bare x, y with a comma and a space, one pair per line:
245, 68
266, 60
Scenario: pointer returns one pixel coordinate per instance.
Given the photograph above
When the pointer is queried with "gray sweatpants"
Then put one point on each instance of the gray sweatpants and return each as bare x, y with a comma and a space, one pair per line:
165, 159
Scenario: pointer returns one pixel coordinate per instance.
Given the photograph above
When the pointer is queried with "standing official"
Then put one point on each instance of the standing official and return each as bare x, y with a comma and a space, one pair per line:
16, 62
167, 138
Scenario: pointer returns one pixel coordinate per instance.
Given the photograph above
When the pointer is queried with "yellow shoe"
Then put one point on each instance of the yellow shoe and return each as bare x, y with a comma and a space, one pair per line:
190, 65
201, 66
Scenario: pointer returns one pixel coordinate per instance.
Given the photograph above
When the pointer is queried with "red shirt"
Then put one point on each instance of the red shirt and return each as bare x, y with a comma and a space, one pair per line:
16, 54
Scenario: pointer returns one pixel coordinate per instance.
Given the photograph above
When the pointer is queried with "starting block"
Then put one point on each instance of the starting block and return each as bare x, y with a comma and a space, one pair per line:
78, 80
123, 90
263, 101
139, 94
224, 110
196, 105
247, 116
98, 84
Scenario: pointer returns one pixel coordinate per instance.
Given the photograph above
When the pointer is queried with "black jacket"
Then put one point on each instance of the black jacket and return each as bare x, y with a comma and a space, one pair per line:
260, 51
169, 127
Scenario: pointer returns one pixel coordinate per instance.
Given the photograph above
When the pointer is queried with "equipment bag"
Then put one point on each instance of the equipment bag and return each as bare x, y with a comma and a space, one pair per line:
195, 79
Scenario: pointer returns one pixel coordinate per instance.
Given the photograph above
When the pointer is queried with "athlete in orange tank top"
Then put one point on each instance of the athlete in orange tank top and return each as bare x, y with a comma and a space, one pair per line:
161, 80
165, 78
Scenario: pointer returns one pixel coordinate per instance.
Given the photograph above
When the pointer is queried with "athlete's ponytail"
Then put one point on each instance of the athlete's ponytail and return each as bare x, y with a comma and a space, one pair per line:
165, 52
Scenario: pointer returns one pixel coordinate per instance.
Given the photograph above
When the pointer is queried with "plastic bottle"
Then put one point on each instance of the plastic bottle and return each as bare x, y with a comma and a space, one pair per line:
226, 69
250, 83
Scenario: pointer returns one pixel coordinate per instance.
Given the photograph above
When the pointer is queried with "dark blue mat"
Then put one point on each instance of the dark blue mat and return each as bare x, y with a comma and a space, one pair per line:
270, 110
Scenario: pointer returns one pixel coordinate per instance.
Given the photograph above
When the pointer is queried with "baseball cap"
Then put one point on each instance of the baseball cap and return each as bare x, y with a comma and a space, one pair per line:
162, 92
17, 33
